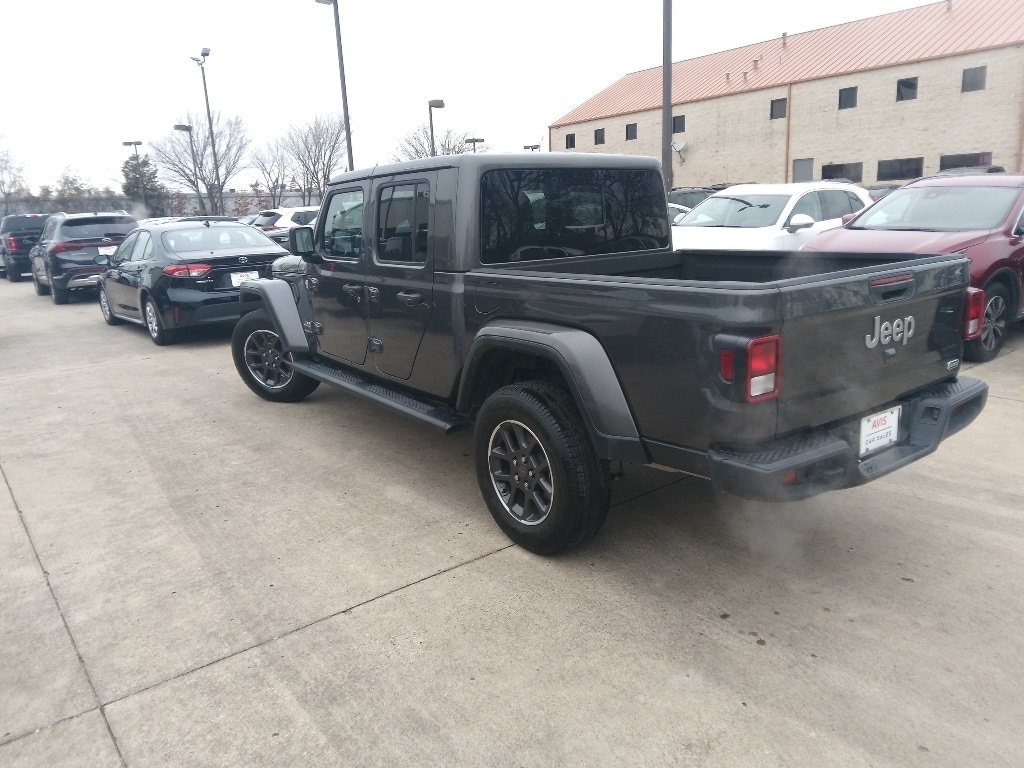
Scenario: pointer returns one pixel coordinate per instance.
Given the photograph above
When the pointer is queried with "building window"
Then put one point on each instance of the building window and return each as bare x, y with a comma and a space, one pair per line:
969, 160
599, 136
974, 79
679, 124
778, 109
570, 141
848, 97
906, 89
630, 131
849, 171
904, 168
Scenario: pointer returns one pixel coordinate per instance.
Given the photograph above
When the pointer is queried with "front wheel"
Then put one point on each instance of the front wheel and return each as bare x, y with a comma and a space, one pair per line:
157, 332
994, 325
543, 483
263, 364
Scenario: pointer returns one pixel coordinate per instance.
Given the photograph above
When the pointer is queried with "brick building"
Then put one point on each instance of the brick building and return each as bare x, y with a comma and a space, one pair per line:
883, 99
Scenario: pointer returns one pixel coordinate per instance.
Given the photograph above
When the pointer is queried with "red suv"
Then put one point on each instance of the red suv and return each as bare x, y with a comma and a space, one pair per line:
980, 216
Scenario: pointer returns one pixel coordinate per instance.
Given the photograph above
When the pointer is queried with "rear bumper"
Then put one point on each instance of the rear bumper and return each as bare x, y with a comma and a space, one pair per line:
182, 307
827, 460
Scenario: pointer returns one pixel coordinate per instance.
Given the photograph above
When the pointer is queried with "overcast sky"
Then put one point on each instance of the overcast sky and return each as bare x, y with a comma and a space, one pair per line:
77, 78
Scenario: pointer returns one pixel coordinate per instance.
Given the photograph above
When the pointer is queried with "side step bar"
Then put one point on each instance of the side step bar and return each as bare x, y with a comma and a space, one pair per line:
436, 415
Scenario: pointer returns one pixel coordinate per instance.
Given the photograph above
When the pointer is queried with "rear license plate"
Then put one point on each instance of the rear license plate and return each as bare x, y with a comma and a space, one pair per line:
107, 250
879, 430
238, 277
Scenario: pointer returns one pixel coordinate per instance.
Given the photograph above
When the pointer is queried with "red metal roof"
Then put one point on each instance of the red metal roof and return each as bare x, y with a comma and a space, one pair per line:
927, 32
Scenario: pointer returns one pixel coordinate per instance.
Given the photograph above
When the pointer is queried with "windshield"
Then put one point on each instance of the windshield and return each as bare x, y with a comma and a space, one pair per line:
940, 209
215, 239
743, 211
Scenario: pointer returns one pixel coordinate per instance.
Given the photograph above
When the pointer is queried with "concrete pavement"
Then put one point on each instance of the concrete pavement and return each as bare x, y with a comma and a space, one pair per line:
190, 576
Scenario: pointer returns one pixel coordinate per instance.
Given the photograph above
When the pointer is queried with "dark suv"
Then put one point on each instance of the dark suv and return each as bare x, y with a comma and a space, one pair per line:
73, 249
18, 233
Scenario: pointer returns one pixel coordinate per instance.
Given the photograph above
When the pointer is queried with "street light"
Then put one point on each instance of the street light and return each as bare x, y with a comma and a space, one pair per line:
138, 170
531, 147
200, 60
431, 106
341, 71
192, 149
474, 142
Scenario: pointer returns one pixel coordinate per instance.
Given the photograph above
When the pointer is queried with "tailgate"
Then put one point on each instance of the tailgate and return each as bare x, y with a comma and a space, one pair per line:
857, 340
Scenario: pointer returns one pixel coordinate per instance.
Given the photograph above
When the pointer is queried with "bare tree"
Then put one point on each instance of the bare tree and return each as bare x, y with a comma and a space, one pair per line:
417, 144
187, 156
316, 151
11, 181
273, 163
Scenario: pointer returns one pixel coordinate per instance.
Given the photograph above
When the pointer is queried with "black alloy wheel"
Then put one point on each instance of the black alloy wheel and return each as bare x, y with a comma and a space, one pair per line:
994, 326
263, 364
537, 470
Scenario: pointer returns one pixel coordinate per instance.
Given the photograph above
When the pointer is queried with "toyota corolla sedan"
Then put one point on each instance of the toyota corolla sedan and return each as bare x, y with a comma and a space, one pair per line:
167, 276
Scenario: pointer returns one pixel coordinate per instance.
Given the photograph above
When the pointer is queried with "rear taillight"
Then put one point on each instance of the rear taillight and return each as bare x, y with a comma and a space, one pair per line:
12, 244
764, 355
749, 369
975, 316
61, 247
186, 270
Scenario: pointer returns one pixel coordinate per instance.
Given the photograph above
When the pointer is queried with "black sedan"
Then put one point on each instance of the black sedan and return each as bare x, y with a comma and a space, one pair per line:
171, 275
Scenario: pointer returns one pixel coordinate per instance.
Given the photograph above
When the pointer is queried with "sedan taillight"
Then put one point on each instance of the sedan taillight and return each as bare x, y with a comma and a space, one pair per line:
186, 270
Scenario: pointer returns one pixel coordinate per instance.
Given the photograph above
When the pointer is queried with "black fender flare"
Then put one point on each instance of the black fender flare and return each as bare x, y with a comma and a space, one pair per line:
277, 298
587, 371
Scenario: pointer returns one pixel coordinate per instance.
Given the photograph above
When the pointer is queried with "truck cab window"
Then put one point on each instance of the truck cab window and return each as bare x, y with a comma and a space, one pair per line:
528, 215
402, 223
343, 224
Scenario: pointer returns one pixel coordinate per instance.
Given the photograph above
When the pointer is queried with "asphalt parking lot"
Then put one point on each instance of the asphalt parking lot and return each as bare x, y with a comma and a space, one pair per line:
191, 576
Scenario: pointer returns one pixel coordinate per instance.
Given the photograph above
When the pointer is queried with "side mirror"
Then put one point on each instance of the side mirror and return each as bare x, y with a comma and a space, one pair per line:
799, 221
103, 261
848, 217
300, 242
679, 217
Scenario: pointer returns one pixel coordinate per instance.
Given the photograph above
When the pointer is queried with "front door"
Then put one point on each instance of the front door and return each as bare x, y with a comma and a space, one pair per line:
339, 297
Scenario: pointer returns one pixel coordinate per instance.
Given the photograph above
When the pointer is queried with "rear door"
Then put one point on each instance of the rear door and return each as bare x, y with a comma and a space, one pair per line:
855, 340
400, 278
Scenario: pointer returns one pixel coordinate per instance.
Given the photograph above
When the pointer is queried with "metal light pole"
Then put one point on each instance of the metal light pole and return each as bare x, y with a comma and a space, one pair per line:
200, 60
431, 106
531, 147
192, 147
341, 71
474, 142
138, 170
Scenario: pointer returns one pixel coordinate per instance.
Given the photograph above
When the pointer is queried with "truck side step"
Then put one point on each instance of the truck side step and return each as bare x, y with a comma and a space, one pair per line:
436, 415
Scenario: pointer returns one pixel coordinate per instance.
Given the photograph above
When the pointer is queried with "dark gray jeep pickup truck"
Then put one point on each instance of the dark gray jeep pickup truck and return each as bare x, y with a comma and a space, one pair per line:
537, 298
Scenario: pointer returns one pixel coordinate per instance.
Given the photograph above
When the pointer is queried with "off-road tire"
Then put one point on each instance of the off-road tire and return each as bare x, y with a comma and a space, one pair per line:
263, 365
537, 469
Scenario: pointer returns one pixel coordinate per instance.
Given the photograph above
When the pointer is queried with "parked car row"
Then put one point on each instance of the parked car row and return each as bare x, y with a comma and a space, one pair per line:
162, 273
977, 212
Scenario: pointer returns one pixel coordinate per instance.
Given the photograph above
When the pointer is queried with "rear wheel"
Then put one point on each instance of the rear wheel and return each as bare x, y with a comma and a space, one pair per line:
108, 316
14, 273
543, 483
994, 325
263, 364
154, 325
41, 290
